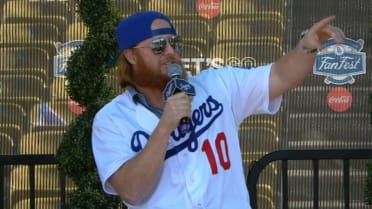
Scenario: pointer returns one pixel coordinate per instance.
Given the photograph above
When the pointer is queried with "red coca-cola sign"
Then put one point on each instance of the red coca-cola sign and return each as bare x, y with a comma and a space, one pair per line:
208, 8
339, 99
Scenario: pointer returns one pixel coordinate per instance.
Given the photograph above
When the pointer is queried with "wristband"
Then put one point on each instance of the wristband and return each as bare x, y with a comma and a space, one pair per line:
301, 47
304, 49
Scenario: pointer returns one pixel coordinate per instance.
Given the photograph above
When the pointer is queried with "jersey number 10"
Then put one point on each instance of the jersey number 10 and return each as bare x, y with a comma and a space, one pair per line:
222, 151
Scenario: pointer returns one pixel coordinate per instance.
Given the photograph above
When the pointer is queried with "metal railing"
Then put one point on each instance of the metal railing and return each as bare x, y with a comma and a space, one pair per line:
315, 156
254, 172
30, 161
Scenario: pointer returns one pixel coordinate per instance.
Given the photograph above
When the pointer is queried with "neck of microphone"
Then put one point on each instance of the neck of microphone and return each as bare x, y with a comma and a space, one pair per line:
174, 70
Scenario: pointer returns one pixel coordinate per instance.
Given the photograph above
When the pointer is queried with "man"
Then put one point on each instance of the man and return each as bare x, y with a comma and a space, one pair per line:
138, 148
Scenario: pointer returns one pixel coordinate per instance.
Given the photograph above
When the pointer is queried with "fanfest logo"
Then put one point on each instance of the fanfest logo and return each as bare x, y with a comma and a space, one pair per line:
339, 99
64, 51
340, 62
208, 8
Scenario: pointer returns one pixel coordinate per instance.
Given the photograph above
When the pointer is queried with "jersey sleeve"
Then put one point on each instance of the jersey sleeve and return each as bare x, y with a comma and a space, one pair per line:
248, 91
110, 147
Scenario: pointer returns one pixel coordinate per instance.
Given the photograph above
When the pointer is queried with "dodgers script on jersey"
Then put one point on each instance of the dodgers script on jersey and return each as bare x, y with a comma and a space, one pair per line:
202, 169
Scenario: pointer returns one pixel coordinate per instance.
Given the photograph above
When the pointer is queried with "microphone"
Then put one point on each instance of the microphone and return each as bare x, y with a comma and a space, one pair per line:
175, 85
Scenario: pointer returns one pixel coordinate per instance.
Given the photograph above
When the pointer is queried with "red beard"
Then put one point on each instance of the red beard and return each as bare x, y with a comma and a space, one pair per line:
146, 76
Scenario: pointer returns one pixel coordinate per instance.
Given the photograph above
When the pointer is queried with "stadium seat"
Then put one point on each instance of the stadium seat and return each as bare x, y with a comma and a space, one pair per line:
40, 203
59, 22
14, 131
76, 31
329, 130
265, 201
237, 7
194, 31
12, 114
23, 85
277, 6
264, 121
241, 28
21, 8
247, 53
47, 184
6, 144
38, 72
29, 32
259, 139
253, 7
40, 142
36, 12
127, 7
27, 35
173, 8
26, 102
25, 58
58, 88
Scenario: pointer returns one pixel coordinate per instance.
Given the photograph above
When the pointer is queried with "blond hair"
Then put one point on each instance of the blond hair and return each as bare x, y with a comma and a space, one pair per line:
124, 71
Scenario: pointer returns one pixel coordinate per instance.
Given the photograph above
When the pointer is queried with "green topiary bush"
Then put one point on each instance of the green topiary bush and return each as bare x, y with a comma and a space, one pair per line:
88, 85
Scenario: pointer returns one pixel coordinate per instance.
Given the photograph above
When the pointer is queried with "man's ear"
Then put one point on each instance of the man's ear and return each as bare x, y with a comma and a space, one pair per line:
129, 55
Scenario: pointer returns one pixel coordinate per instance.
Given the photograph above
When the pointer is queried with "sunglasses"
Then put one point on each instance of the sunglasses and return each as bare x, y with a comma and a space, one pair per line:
158, 45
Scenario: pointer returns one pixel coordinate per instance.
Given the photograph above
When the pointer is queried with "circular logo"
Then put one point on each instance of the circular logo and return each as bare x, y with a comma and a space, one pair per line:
339, 50
339, 99
208, 8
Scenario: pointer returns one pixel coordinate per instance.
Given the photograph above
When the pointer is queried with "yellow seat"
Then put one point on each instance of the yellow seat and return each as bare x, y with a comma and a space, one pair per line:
26, 102
127, 7
194, 31
24, 58
242, 28
237, 7
14, 131
11, 113
37, 12
76, 31
27, 35
246, 7
21, 8
173, 8
248, 53
258, 139
40, 203
58, 21
23, 85
40, 142
6, 144
42, 73
58, 88
47, 183
264, 201
28, 32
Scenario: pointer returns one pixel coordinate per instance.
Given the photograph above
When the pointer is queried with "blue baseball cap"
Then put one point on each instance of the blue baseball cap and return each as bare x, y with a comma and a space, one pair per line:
137, 27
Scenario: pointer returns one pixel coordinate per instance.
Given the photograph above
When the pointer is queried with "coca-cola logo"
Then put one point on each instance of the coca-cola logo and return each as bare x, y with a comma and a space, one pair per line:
339, 99
208, 8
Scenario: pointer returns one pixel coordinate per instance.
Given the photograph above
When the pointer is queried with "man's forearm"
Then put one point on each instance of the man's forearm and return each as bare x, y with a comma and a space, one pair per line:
290, 70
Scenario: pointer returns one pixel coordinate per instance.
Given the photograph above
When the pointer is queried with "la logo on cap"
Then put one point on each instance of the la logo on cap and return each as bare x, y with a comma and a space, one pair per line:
208, 8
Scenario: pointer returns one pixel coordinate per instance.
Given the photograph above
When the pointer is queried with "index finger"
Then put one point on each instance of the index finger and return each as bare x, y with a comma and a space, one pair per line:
323, 23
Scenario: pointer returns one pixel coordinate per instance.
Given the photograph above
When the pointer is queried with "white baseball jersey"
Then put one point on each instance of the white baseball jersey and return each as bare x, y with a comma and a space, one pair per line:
203, 169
